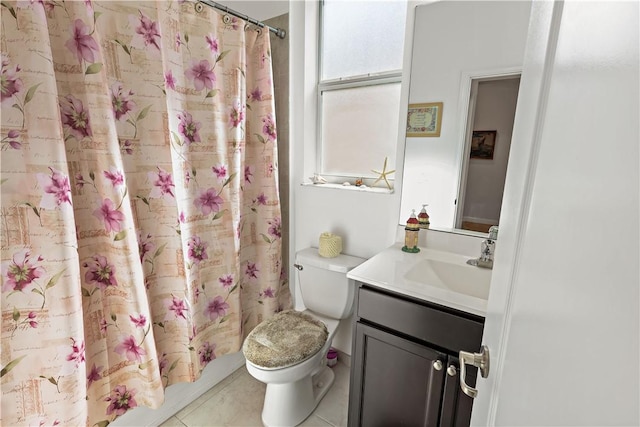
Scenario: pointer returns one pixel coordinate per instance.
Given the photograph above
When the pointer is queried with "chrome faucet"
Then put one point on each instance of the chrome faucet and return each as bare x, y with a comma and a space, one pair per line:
487, 250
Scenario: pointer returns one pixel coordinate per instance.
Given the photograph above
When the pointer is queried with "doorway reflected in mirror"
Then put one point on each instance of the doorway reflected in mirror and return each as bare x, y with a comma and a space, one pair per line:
492, 105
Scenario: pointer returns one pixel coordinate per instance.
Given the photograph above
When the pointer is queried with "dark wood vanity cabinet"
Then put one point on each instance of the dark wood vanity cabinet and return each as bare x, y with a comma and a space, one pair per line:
404, 368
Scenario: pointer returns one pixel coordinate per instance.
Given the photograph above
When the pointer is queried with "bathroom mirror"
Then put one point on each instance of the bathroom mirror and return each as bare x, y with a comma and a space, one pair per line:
467, 55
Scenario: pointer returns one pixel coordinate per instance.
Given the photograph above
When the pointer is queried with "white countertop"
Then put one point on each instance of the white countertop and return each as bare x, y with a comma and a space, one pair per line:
389, 268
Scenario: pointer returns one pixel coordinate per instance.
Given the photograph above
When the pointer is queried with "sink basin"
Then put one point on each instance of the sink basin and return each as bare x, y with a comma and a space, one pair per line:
456, 277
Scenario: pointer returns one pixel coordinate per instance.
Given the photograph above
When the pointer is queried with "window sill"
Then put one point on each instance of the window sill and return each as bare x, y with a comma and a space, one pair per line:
377, 190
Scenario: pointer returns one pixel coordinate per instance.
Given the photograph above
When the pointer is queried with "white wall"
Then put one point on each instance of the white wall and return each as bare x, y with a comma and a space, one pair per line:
258, 9
454, 38
495, 110
366, 221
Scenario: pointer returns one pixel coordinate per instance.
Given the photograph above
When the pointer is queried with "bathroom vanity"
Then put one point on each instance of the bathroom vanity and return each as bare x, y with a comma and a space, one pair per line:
414, 313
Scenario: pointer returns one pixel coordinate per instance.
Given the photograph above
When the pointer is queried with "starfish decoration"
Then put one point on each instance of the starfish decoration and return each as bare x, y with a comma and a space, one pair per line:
383, 174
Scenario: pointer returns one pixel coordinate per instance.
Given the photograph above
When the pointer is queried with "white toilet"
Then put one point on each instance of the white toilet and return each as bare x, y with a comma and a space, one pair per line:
288, 351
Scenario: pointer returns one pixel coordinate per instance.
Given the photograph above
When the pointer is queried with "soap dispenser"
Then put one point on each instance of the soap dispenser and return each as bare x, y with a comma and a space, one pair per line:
411, 231
423, 217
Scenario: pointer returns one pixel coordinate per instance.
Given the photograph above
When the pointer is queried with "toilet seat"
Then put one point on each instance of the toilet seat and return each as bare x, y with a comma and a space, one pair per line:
288, 338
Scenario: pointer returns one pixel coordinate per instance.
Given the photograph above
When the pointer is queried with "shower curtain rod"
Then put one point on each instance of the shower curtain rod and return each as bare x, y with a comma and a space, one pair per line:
281, 33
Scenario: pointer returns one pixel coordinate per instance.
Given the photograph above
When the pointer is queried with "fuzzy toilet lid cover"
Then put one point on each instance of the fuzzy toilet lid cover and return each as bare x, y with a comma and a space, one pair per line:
286, 339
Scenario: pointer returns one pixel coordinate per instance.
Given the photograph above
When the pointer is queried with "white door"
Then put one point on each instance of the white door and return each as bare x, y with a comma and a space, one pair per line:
563, 318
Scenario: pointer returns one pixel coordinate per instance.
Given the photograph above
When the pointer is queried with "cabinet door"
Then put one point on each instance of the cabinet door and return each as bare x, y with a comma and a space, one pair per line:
395, 382
456, 406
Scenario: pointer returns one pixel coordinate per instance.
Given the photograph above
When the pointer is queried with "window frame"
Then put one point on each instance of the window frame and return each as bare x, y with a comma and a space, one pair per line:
364, 80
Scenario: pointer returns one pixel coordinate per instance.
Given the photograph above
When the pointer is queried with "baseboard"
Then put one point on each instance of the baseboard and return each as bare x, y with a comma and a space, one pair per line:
344, 358
480, 226
480, 220
178, 396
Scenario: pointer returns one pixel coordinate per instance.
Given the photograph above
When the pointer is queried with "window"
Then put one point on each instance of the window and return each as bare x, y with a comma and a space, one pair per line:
361, 52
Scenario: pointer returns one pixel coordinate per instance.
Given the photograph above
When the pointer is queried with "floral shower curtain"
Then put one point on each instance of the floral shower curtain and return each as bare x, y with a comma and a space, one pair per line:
140, 213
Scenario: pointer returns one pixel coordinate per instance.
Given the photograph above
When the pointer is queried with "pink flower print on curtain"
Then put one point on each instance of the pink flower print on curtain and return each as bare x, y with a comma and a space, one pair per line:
100, 272
226, 281
31, 319
256, 94
212, 42
21, 272
121, 400
77, 353
197, 250
206, 353
209, 201
261, 199
176, 306
275, 228
220, 171
148, 30
115, 176
162, 184
75, 118
140, 321
109, 215
10, 83
145, 245
201, 72
56, 189
269, 127
126, 146
248, 174
169, 80
82, 43
251, 270
236, 115
217, 307
121, 101
268, 293
188, 128
11, 141
94, 374
129, 348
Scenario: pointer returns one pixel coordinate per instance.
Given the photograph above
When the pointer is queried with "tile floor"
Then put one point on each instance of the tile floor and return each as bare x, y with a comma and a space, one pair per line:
237, 401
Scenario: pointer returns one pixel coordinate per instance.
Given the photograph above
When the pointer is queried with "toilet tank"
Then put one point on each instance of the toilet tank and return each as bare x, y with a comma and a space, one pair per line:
324, 285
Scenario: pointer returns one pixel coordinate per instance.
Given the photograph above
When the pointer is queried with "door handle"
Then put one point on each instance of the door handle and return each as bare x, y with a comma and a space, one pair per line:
480, 361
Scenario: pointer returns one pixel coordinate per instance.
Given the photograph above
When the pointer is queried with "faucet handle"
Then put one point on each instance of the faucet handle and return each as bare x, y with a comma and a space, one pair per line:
493, 232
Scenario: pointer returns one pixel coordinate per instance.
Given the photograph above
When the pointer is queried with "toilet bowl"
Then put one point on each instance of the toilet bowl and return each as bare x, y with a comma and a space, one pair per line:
294, 392
297, 382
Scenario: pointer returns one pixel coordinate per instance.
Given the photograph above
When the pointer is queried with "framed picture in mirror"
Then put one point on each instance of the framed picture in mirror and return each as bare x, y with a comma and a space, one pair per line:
483, 142
424, 119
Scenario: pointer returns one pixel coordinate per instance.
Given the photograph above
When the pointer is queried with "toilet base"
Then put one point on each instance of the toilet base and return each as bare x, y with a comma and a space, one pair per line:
289, 404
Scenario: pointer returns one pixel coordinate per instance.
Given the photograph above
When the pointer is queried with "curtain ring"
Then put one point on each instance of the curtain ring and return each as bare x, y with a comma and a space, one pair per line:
226, 19
256, 28
198, 7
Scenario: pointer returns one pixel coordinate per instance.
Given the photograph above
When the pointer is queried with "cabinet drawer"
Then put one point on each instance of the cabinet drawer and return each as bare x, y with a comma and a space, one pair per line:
425, 323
